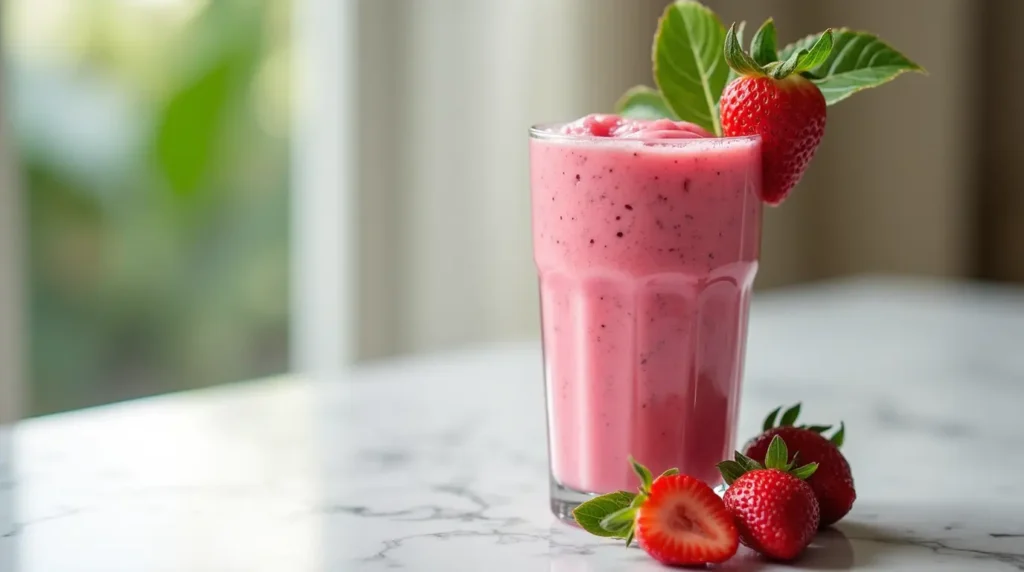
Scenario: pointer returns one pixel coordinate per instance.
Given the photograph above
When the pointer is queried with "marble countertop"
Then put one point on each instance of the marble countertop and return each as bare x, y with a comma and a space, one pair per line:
438, 462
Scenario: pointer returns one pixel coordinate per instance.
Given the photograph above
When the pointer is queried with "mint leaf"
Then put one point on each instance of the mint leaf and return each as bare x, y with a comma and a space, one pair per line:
858, 61
689, 64
763, 47
642, 102
590, 514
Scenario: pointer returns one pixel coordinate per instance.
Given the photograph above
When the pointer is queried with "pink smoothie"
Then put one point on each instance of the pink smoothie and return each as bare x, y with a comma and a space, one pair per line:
646, 239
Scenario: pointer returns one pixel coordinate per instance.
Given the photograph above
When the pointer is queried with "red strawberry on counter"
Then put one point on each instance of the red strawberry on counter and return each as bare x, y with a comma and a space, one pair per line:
833, 481
775, 511
683, 522
772, 99
677, 519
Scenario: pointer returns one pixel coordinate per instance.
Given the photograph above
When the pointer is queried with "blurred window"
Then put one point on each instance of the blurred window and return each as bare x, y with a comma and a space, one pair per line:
151, 138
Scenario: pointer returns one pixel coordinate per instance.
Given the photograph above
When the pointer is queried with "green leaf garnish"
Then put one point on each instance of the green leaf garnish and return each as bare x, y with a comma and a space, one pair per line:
590, 514
669, 472
858, 61
695, 58
642, 102
689, 64
763, 47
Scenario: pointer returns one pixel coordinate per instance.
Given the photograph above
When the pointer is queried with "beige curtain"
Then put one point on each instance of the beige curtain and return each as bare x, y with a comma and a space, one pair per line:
445, 98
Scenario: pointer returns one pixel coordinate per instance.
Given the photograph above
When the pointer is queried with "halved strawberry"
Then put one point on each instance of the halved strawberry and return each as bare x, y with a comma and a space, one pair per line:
676, 518
684, 522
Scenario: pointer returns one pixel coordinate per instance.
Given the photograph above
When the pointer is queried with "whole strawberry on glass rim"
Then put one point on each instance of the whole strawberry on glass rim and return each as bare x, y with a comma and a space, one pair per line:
778, 93
776, 102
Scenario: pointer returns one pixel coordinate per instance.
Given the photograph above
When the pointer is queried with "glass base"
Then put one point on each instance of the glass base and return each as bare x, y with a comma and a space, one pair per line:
564, 500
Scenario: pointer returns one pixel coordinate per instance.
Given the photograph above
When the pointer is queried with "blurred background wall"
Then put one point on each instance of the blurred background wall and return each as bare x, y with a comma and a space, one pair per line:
181, 223
895, 187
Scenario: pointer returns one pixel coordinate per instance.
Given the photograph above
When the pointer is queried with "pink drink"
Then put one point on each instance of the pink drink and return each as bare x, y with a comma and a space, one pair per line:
646, 239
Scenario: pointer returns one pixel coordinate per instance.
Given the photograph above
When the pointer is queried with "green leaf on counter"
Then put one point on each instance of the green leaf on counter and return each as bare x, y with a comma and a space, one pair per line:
590, 514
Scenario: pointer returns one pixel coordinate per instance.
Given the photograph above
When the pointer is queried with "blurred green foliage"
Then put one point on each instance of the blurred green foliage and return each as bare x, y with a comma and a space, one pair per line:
154, 162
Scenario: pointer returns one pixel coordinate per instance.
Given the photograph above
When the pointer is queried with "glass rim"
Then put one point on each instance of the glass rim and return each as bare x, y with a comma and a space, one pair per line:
544, 131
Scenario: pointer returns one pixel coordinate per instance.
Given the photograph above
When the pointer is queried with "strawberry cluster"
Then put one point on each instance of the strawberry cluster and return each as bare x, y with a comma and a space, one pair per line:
772, 505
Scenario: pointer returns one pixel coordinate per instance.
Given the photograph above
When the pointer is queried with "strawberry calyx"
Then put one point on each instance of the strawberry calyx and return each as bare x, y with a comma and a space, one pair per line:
776, 458
622, 522
763, 59
789, 417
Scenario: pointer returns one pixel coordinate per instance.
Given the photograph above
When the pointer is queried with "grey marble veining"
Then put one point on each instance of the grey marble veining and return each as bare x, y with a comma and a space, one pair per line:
438, 462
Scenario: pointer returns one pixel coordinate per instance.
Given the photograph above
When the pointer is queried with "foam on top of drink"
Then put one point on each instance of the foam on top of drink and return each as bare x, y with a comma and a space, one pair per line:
650, 135
614, 126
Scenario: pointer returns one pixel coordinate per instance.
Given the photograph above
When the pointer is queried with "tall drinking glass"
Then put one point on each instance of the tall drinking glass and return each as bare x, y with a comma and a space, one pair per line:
646, 251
